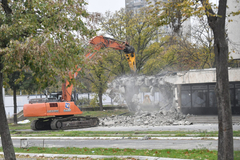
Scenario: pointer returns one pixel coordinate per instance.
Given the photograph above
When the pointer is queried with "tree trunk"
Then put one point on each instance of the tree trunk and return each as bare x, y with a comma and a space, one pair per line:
225, 133
8, 150
100, 101
15, 104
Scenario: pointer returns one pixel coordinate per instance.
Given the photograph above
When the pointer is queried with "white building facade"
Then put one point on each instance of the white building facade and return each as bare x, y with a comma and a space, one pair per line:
233, 29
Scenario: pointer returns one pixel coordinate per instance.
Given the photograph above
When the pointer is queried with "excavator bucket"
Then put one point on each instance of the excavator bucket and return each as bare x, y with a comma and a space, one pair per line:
131, 61
130, 56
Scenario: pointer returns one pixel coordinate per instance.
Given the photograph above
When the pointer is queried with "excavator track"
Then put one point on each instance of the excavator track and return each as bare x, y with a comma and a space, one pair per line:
41, 124
64, 123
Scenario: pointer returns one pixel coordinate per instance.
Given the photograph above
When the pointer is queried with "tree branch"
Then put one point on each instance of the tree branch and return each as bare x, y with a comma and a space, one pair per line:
210, 13
6, 7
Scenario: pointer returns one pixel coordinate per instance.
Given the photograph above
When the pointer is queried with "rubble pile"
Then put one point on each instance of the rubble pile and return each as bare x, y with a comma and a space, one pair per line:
144, 118
129, 91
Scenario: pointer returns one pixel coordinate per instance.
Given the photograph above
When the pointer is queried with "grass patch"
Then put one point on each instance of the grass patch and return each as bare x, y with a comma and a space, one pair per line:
74, 158
19, 126
169, 153
63, 133
196, 154
103, 134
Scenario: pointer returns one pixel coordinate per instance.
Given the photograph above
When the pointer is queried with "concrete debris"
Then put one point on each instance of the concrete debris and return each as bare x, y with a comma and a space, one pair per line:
151, 99
144, 118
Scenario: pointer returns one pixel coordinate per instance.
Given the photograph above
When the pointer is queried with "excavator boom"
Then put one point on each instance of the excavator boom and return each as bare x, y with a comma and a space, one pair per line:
100, 42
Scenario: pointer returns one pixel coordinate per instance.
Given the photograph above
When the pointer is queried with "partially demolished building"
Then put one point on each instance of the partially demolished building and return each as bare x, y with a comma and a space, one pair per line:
191, 92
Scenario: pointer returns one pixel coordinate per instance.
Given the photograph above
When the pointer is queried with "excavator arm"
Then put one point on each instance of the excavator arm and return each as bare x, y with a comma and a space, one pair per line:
100, 42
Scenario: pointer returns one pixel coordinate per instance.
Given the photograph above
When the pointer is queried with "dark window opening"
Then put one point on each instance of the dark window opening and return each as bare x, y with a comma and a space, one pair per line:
237, 91
186, 99
199, 98
212, 99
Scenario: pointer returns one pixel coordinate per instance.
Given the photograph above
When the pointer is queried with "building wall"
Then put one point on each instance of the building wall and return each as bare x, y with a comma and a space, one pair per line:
195, 90
201, 98
233, 29
197, 95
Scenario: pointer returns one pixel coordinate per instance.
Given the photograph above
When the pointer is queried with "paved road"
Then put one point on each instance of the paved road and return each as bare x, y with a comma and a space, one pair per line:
127, 143
195, 127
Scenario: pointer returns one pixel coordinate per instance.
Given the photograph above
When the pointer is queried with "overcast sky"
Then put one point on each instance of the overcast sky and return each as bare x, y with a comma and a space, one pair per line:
105, 5
110, 5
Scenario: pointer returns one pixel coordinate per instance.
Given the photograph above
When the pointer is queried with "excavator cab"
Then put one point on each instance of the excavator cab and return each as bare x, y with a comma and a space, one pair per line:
55, 95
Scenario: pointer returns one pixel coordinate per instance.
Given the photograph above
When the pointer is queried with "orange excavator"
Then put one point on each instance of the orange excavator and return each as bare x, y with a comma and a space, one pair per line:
60, 113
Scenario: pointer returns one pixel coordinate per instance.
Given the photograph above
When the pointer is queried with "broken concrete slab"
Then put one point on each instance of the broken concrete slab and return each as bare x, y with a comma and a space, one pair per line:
145, 119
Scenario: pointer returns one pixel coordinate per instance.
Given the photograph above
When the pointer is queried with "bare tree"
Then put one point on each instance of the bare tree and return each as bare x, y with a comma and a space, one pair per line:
203, 38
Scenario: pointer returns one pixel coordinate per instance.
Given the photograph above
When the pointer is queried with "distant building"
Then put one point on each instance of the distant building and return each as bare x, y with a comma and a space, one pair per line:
131, 5
233, 29
136, 4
